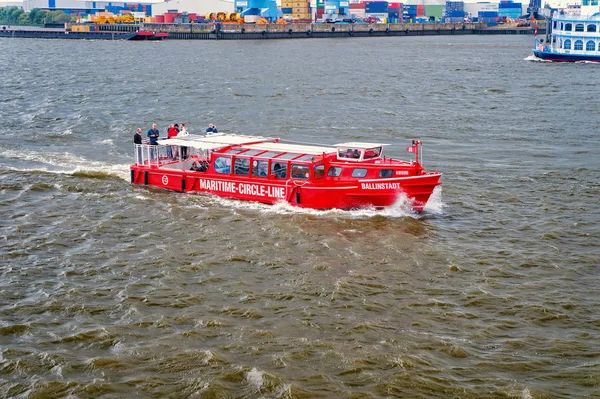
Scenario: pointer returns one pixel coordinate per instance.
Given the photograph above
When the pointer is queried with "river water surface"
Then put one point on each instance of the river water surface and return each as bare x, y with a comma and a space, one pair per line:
112, 290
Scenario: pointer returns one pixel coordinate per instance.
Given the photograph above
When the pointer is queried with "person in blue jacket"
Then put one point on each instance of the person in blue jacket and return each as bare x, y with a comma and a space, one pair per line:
153, 135
211, 129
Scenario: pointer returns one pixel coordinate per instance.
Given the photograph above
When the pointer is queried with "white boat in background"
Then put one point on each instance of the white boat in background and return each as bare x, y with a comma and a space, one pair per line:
573, 34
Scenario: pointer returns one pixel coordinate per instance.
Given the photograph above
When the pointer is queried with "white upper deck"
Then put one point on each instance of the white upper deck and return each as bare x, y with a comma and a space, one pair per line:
216, 141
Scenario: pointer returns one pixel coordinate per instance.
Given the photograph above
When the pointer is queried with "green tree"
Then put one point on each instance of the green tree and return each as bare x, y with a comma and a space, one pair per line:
32, 14
23, 19
57, 17
40, 17
15, 14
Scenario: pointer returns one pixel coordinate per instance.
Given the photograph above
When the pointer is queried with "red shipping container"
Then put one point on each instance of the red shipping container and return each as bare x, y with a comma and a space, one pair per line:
395, 6
420, 10
160, 19
357, 6
192, 16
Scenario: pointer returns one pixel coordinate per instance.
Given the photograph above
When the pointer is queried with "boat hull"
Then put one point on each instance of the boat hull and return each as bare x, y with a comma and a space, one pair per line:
559, 57
341, 195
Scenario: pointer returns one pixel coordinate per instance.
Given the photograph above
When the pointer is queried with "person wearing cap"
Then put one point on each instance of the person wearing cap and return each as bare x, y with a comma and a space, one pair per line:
211, 129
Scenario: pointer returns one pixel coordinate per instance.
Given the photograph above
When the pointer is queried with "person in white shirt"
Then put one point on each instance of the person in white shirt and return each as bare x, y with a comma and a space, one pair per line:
183, 132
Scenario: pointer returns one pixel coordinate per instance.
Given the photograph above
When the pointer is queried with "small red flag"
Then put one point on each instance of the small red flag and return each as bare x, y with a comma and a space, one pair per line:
411, 148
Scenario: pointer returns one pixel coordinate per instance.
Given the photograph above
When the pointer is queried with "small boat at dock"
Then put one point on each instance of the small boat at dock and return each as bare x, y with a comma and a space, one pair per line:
346, 176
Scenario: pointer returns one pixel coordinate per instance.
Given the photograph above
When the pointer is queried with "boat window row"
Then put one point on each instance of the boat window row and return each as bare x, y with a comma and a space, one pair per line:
567, 44
568, 27
269, 154
260, 168
336, 171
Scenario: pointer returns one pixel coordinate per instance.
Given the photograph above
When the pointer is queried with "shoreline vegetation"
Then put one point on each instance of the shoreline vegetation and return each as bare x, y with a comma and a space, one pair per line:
35, 17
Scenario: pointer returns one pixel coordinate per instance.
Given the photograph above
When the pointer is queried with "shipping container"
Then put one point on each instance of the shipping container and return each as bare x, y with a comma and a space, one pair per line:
376, 6
455, 5
510, 5
436, 11
455, 14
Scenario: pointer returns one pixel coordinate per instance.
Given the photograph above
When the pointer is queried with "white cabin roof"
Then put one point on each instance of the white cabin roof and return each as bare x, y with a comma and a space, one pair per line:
293, 148
213, 141
359, 144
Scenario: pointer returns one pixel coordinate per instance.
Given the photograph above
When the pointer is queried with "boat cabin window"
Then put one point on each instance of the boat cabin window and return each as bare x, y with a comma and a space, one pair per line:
306, 158
386, 173
334, 171
373, 152
251, 152
260, 168
241, 166
269, 154
579, 28
223, 164
590, 45
233, 151
359, 172
349, 153
300, 171
591, 28
567, 44
578, 45
279, 169
288, 156
319, 171
568, 27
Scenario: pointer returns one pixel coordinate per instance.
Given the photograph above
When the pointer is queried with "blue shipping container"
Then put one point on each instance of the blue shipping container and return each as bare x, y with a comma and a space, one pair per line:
510, 5
376, 7
287, 10
457, 5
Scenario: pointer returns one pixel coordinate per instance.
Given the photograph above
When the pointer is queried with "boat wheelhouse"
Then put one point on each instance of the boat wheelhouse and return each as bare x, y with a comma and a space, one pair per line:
346, 176
573, 34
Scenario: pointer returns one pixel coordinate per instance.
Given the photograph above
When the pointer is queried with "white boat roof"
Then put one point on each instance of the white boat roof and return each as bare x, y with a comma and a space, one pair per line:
359, 144
293, 148
213, 141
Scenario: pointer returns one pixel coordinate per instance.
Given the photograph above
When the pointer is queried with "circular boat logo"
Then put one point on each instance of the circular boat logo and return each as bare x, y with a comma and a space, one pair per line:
165, 180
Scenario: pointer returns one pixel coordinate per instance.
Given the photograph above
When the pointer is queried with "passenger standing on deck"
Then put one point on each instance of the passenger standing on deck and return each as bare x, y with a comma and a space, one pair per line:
137, 140
153, 136
183, 133
171, 133
211, 129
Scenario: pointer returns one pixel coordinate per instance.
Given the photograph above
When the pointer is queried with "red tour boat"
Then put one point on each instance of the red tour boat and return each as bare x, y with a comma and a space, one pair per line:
346, 176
